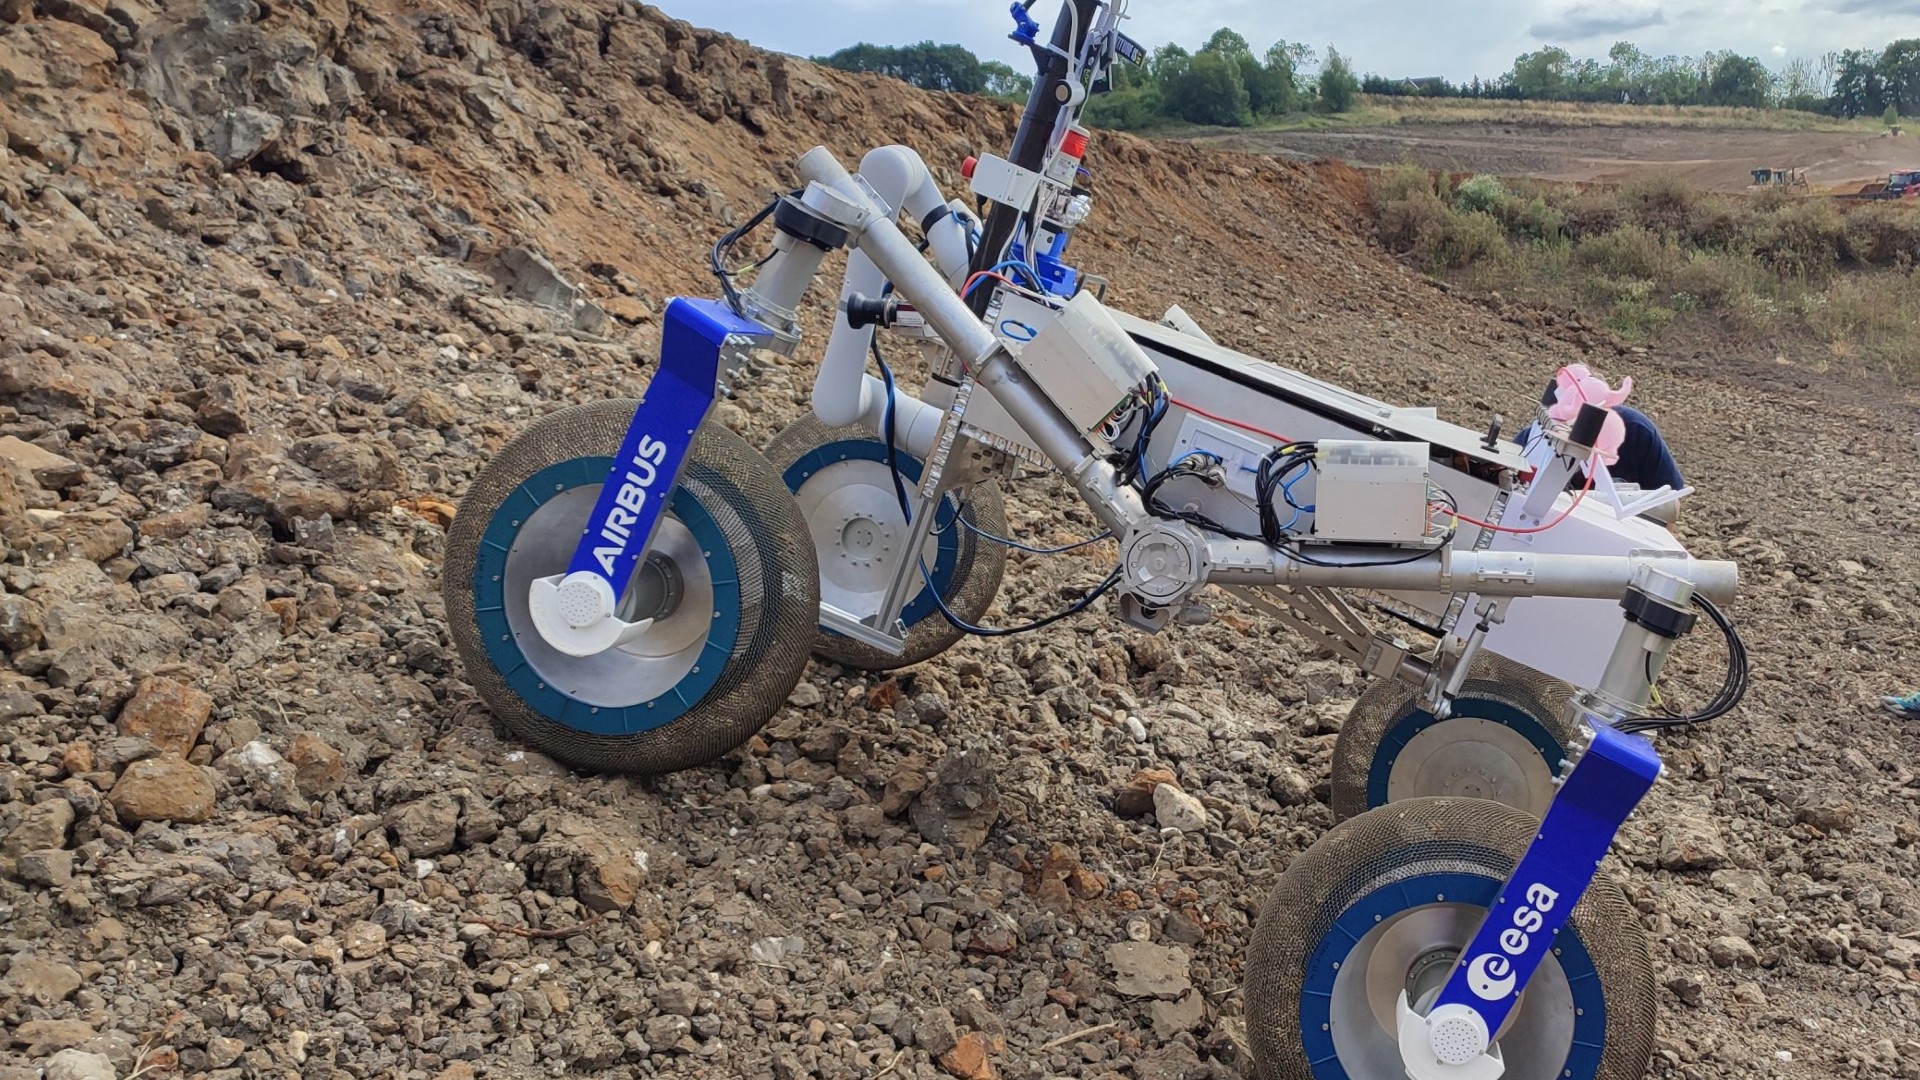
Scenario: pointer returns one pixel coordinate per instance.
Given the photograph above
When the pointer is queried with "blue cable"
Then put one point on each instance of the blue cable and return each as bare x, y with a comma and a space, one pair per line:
893, 459
1018, 546
1032, 274
1286, 491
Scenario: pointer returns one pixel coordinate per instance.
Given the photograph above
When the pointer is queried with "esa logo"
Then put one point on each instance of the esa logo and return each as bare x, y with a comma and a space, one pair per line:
1491, 975
642, 471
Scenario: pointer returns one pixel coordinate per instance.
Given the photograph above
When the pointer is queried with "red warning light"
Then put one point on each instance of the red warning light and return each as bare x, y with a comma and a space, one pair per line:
967, 166
1074, 144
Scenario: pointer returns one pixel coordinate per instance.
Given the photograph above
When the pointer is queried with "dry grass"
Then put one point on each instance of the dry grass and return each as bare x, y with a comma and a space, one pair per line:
1655, 257
1392, 110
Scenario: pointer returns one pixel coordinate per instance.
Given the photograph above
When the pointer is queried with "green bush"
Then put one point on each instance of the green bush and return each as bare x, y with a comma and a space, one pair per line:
1804, 238
1655, 259
1470, 237
1884, 235
1593, 213
1633, 312
1713, 281
1401, 182
1535, 221
1719, 225
1628, 253
1866, 317
1482, 193
1414, 224
1661, 202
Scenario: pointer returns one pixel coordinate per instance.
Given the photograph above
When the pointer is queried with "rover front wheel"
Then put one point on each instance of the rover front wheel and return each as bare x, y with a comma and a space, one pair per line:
730, 573
1385, 902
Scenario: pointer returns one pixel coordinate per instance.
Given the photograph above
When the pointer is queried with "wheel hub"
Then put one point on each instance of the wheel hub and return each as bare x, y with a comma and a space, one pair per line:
1428, 976
672, 586
1413, 952
864, 540
853, 513
1472, 758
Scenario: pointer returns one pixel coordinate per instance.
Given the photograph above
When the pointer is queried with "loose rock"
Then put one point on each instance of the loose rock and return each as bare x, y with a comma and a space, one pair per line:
163, 789
1141, 969
44, 982
80, 1065
1175, 809
167, 713
1136, 797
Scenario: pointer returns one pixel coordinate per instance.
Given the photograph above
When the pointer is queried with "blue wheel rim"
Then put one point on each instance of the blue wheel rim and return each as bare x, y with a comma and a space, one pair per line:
1359, 919
946, 558
490, 610
1419, 720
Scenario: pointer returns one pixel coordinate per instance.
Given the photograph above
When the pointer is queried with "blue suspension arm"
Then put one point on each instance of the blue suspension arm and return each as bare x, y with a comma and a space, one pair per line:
1595, 799
699, 338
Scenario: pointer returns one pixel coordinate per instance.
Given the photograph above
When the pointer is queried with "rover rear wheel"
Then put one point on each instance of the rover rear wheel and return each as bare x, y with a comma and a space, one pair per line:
846, 494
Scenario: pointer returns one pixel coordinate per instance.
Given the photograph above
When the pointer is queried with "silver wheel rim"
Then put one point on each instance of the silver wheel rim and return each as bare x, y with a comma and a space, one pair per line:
642, 669
853, 515
1471, 758
1535, 1040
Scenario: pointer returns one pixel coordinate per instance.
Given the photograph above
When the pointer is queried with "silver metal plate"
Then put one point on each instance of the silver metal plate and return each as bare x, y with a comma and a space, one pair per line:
642, 669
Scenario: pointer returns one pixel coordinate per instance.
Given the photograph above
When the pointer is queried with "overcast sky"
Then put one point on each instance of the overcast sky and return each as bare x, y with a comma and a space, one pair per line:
1389, 37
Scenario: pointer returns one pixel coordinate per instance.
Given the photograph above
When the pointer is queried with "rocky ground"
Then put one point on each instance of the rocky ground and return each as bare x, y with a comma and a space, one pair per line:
274, 283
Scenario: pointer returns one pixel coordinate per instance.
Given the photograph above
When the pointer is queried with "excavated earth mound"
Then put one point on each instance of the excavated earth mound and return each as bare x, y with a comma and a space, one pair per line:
275, 281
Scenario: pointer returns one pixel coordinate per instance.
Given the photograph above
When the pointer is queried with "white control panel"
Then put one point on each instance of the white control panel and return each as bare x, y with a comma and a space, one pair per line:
1372, 492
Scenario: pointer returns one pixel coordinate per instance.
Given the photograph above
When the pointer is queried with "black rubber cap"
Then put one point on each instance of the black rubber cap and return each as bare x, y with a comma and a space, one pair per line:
1586, 426
1656, 615
864, 310
794, 218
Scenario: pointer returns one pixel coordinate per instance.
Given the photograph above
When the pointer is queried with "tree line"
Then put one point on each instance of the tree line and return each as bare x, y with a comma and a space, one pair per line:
1857, 82
934, 67
1227, 84
1224, 83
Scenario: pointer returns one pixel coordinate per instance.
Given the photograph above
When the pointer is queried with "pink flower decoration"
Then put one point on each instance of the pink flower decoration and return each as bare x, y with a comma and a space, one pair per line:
1580, 386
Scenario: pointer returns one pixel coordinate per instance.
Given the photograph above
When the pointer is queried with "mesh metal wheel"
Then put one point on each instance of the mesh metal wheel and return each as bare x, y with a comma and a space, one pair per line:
845, 490
1505, 740
1385, 901
708, 674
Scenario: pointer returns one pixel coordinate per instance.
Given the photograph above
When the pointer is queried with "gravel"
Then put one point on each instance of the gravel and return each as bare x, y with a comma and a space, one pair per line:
253, 817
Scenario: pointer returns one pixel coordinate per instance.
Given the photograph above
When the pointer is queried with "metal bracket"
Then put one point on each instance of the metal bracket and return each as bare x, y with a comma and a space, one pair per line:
894, 644
1317, 613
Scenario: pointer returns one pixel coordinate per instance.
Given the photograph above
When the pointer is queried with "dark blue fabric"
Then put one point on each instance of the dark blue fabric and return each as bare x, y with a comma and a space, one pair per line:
1644, 461
1644, 457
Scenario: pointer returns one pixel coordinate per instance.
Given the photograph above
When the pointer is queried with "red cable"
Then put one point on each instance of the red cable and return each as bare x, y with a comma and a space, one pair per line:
968, 287
1577, 499
1224, 420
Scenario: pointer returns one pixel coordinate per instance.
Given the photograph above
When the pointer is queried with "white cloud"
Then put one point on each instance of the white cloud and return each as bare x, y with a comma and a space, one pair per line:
1584, 22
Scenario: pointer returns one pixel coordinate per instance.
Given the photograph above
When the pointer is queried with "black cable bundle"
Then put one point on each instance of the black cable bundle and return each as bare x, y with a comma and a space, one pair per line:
725, 244
1732, 690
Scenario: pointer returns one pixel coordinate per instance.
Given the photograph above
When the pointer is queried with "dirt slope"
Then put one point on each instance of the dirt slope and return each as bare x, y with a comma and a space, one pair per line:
271, 292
